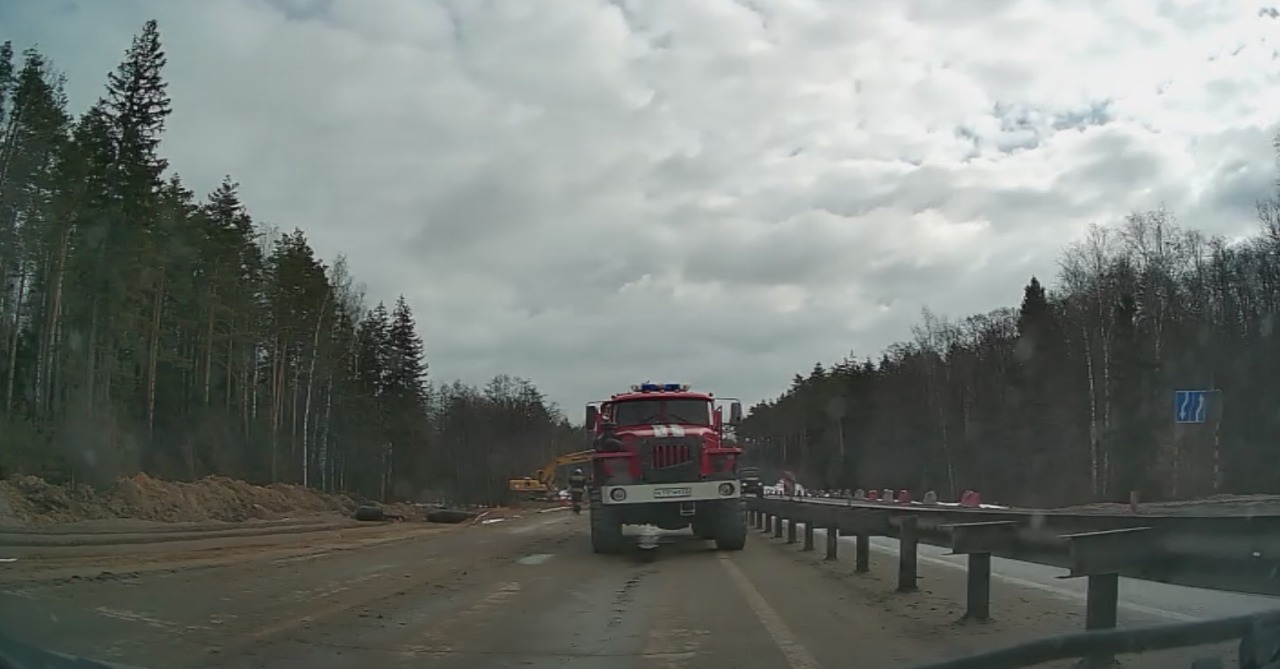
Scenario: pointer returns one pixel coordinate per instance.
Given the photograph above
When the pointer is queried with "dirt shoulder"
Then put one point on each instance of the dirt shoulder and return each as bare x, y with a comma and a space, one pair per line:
50, 531
122, 556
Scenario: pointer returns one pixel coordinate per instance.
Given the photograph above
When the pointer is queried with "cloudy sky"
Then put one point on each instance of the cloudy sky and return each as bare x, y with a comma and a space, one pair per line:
589, 193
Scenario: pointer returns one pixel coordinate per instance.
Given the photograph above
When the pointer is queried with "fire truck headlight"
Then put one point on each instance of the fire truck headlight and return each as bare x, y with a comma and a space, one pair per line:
726, 489
617, 494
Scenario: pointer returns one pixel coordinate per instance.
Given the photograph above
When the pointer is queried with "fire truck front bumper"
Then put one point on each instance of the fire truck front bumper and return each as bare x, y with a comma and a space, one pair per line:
694, 491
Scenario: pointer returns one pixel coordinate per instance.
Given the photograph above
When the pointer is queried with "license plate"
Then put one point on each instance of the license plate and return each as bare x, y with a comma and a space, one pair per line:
668, 493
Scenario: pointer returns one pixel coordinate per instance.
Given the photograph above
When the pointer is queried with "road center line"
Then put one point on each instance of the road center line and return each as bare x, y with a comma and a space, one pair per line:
797, 656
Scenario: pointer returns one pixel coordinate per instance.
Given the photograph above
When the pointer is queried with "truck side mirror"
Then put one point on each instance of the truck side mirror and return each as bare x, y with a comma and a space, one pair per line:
735, 413
592, 413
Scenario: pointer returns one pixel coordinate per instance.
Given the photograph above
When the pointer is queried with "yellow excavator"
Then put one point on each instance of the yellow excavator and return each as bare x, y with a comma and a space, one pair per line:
543, 481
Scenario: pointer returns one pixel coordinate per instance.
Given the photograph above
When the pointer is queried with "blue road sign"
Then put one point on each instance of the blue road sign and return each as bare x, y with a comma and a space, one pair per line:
1190, 406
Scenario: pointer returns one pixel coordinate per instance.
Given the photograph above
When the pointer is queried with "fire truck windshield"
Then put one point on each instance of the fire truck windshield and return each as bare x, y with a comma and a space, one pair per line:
658, 412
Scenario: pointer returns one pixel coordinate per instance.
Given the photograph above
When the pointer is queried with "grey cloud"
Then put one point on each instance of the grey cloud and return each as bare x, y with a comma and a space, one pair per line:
302, 10
588, 192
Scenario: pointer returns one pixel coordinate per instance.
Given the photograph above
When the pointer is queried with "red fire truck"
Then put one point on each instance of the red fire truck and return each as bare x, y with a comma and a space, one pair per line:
661, 459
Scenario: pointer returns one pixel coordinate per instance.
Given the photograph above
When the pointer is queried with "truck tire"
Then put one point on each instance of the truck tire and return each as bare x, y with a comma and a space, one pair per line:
367, 512
450, 516
606, 531
730, 527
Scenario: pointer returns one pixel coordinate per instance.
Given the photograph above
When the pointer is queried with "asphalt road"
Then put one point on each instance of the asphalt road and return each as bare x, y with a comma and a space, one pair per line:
526, 592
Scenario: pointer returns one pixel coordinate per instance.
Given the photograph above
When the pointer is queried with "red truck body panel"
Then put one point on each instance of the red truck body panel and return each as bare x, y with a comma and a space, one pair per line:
717, 459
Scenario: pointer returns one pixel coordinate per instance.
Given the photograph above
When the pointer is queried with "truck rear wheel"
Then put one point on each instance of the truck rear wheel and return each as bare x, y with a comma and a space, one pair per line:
606, 530
730, 527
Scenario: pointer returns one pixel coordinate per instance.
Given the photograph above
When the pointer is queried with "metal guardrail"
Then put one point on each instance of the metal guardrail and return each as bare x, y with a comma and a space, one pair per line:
1123, 544
1228, 552
1259, 636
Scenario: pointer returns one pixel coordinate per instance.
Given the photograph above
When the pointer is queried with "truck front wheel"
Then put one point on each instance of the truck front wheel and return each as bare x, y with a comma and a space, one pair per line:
730, 527
606, 530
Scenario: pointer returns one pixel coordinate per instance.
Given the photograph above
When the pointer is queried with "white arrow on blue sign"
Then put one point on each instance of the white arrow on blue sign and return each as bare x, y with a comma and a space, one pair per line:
1190, 406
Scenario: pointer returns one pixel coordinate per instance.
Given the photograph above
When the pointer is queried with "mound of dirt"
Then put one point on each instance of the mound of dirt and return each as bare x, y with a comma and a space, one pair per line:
31, 500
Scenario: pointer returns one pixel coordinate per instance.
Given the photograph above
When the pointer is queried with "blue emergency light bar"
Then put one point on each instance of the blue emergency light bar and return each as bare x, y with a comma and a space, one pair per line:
660, 387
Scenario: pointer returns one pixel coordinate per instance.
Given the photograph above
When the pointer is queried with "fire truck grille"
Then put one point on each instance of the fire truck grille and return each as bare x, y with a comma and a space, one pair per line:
671, 459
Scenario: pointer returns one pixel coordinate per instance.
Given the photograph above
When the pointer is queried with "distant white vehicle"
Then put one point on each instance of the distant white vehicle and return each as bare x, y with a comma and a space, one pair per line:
778, 490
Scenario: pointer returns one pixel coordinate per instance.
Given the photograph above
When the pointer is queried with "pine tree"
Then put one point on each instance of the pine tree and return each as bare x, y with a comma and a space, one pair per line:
33, 140
407, 373
157, 333
138, 104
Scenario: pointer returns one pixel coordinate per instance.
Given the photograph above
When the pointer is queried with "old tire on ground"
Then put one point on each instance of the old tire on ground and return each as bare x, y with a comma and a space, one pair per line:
606, 530
450, 516
369, 512
730, 527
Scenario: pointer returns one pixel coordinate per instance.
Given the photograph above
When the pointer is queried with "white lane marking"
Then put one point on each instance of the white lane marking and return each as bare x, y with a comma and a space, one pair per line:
535, 559
132, 616
797, 656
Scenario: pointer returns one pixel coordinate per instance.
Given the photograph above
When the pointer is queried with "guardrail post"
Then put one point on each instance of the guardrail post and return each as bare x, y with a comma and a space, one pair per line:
1102, 602
979, 541
791, 531
861, 554
908, 537
777, 526
1101, 556
833, 541
808, 536
764, 522
863, 524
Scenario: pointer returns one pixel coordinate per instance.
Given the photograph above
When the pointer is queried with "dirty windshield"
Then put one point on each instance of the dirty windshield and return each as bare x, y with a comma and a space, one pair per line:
311, 310
678, 411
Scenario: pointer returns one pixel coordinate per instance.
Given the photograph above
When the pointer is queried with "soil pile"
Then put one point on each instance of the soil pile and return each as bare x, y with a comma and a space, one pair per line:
31, 500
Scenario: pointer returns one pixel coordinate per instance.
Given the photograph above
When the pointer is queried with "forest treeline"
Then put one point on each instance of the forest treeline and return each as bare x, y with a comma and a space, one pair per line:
143, 328
1070, 397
